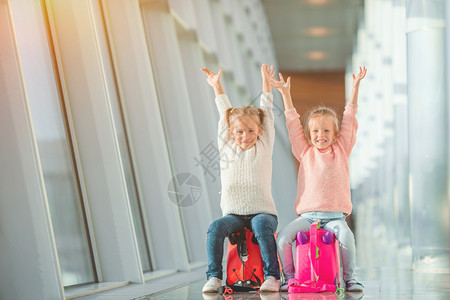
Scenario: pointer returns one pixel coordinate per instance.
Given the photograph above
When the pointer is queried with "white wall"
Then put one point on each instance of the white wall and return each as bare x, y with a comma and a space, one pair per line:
130, 109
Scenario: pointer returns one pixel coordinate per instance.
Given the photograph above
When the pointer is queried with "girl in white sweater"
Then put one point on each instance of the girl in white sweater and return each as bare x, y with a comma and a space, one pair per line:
245, 138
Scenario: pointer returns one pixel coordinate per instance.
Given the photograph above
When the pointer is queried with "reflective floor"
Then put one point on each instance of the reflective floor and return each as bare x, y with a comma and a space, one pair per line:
393, 282
383, 283
385, 270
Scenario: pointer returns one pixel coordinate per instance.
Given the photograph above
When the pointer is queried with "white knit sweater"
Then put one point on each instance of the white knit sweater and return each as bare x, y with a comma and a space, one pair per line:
246, 176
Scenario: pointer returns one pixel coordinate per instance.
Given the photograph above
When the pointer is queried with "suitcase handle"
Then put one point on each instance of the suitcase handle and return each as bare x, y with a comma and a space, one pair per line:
238, 236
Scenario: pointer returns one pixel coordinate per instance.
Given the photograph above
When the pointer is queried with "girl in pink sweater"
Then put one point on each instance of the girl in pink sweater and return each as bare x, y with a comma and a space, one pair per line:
323, 192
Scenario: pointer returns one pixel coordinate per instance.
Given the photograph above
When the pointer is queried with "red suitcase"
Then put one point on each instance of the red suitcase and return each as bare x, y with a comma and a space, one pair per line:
244, 262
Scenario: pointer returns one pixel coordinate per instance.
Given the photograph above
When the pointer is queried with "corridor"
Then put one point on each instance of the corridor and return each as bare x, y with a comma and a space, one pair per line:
112, 164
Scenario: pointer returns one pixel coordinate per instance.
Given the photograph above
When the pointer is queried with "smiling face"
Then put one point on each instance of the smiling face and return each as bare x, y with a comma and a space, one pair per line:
322, 131
245, 132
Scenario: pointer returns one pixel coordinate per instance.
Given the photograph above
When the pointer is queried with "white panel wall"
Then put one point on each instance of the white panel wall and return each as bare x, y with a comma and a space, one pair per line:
176, 110
85, 75
204, 22
184, 12
28, 257
146, 56
137, 90
204, 111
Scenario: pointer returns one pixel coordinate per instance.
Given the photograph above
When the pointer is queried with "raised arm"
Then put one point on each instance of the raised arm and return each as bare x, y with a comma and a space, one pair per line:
349, 125
355, 88
266, 103
214, 80
284, 87
266, 75
295, 129
222, 104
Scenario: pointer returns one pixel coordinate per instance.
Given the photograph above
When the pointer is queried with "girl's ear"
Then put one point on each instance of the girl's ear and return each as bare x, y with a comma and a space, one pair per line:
259, 130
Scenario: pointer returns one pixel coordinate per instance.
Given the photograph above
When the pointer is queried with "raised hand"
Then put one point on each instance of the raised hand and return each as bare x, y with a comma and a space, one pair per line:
281, 85
361, 75
266, 74
356, 81
284, 87
214, 80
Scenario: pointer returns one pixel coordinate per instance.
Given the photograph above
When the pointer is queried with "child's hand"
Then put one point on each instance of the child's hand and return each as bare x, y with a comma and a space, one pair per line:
267, 72
213, 78
361, 75
281, 85
356, 81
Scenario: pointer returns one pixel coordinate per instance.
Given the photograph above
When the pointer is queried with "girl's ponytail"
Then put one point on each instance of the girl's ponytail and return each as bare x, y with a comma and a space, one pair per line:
262, 115
228, 113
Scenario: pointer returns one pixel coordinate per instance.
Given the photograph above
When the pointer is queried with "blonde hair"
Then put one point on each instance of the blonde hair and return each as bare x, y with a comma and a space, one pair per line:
256, 114
321, 111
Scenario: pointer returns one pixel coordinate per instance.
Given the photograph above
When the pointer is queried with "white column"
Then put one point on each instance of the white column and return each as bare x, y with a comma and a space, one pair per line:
401, 192
387, 116
447, 60
428, 132
28, 254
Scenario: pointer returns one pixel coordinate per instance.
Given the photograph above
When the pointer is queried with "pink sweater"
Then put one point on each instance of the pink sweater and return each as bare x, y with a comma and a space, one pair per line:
323, 176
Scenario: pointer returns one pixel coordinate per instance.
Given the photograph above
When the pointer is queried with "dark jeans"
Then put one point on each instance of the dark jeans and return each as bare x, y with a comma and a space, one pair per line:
263, 226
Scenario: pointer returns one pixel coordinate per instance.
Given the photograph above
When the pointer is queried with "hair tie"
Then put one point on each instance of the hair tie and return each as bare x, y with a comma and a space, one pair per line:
232, 110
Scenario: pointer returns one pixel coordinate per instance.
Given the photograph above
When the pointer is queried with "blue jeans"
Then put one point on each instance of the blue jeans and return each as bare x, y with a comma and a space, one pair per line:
334, 222
263, 226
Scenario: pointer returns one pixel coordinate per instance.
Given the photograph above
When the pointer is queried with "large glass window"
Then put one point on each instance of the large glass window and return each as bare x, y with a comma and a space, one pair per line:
62, 185
179, 127
128, 169
131, 186
70, 210
62, 188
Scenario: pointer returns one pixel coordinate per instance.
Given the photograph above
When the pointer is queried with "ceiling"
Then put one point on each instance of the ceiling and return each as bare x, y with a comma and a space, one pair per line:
313, 35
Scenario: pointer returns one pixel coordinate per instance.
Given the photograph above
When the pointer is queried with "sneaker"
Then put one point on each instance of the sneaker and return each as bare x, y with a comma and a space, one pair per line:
284, 287
353, 286
212, 285
270, 285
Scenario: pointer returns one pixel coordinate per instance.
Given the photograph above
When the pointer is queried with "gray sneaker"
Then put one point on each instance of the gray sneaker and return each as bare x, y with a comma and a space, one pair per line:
270, 285
212, 285
353, 286
284, 287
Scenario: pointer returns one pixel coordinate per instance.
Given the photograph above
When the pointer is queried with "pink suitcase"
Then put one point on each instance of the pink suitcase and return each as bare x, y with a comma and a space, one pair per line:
317, 261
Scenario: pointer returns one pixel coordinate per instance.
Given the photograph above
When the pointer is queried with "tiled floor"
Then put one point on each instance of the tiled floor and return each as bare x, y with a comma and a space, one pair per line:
385, 270
380, 283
